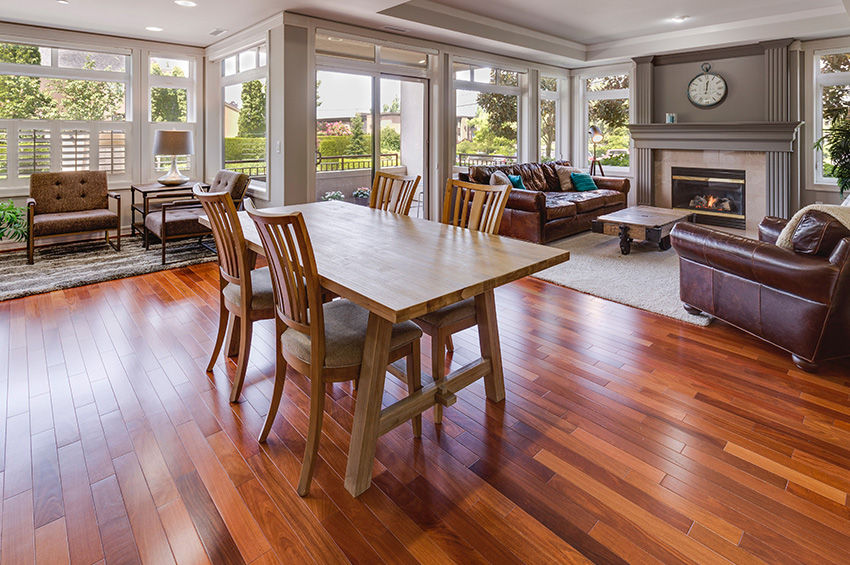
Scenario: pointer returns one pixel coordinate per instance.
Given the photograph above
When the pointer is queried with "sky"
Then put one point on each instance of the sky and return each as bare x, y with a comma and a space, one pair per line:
342, 95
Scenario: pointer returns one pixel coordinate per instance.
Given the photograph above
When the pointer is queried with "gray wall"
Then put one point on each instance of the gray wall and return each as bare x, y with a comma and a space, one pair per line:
744, 101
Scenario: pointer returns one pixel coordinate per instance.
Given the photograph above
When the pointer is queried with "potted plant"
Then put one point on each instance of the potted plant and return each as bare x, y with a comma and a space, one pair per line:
333, 195
835, 145
13, 222
362, 192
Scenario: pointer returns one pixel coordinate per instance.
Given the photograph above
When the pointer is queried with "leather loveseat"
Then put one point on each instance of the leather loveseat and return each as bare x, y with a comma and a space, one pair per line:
543, 212
798, 300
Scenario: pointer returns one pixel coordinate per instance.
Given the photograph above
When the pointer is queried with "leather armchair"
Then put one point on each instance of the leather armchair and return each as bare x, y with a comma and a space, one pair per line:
71, 203
798, 300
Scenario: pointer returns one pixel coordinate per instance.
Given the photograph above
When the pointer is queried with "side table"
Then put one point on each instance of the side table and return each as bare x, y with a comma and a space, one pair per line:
150, 192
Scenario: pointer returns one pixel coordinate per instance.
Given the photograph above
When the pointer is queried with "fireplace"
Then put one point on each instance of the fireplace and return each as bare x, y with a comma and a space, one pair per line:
716, 196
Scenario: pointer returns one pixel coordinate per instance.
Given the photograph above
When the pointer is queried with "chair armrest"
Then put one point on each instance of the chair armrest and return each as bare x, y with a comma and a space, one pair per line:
812, 278
30, 202
182, 203
115, 195
526, 200
613, 183
770, 228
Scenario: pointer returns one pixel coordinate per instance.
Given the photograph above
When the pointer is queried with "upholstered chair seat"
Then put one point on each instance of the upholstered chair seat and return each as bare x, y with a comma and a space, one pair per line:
345, 335
450, 314
181, 221
73, 222
261, 287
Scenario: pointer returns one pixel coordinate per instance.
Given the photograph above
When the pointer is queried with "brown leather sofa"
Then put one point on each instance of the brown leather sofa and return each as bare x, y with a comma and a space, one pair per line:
797, 299
543, 212
70, 203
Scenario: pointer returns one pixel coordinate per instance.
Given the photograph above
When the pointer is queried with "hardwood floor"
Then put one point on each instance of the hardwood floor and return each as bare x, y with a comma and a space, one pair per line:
626, 437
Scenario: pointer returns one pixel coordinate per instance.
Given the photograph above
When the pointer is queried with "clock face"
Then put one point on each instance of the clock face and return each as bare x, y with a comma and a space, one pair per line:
707, 89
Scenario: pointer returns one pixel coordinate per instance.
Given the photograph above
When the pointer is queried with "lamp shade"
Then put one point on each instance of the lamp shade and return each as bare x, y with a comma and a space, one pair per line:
173, 142
595, 134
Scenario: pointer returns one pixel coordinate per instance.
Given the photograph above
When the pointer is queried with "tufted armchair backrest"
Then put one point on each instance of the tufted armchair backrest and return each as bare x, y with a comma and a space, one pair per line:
231, 182
69, 192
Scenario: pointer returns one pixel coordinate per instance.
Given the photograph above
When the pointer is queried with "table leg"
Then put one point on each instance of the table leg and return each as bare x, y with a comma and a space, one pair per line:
367, 412
488, 338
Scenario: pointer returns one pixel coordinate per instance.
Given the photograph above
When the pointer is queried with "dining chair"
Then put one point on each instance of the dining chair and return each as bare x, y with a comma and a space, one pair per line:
476, 207
245, 293
323, 341
393, 193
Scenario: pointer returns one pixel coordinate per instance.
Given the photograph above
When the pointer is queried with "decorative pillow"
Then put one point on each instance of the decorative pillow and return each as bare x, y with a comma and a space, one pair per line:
818, 233
500, 178
583, 182
516, 181
565, 178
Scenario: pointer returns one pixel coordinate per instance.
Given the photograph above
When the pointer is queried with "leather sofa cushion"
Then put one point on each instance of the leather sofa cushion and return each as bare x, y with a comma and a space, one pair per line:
181, 221
558, 205
818, 233
612, 197
583, 201
69, 192
535, 176
73, 222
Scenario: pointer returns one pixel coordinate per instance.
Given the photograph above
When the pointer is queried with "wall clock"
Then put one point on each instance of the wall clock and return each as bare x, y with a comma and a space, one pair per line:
707, 89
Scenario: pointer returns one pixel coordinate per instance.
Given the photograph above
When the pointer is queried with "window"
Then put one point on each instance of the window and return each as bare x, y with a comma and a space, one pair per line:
486, 114
605, 104
550, 106
172, 96
53, 103
244, 79
831, 102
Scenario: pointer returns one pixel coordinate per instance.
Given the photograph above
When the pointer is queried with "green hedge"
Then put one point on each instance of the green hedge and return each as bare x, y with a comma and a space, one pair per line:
244, 148
333, 145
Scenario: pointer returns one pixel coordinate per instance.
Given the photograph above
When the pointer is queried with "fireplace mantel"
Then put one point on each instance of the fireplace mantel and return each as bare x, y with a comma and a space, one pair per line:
726, 136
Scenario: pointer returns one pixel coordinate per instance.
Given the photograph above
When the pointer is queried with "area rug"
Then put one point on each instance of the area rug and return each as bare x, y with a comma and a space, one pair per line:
76, 264
646, 278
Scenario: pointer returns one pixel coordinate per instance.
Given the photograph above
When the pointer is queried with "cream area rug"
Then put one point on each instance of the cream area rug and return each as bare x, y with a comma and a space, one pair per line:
646, 278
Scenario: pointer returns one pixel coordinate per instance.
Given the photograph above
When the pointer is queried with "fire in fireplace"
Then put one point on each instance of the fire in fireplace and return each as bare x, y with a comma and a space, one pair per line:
715, 195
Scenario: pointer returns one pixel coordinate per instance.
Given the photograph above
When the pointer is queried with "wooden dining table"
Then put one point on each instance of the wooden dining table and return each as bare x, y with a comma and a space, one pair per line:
399, 268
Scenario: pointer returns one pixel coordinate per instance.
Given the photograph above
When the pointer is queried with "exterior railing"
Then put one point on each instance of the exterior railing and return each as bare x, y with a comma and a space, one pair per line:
351, 162
254, 168
472, 159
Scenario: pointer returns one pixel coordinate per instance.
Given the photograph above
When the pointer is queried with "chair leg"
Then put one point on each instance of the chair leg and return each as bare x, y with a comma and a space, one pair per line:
219, 339
163, 249
245, 334
438, 367
30, 246
119, 236
450, 346
279, 378
414, 382
314, 433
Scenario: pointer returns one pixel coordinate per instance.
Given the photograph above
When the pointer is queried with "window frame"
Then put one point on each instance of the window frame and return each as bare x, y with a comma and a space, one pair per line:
819, 81
519, 91
13, 126
582, 107
557, 96
257, 188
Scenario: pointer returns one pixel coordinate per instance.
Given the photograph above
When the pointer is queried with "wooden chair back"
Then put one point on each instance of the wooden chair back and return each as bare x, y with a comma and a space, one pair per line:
295, 278
229, 239
475, 206
393, 193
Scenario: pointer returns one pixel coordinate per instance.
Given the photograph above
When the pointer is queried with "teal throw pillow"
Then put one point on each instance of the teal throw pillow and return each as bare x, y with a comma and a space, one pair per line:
516, 181
583, 182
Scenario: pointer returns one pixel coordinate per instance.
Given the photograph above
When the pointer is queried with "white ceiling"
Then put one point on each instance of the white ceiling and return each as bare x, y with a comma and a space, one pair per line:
561, 32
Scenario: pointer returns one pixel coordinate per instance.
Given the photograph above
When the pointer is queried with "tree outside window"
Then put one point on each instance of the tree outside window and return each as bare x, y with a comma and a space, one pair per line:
168, 104
607, 107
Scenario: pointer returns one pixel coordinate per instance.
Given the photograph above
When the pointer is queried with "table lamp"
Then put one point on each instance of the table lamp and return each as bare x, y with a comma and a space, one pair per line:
595, 137
173, 143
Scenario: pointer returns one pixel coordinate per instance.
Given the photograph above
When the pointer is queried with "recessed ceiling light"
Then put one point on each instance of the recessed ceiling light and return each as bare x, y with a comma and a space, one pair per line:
334, 39
679, 19
153, 28
186, 3
63, 1
422, 62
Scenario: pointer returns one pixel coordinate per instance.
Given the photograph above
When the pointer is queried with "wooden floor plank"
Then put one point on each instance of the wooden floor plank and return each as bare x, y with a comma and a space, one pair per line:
625, 437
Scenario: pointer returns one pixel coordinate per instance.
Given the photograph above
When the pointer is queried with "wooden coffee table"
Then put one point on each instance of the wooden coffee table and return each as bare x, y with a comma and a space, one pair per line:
646, 223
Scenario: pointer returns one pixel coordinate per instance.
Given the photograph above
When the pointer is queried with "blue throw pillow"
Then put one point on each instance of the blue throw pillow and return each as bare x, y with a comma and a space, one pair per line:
516, 181
583, 182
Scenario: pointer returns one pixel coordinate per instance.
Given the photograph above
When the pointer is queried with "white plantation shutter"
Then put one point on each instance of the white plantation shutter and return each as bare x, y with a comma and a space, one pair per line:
76, 150
112, 151
33, 151
4, 151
